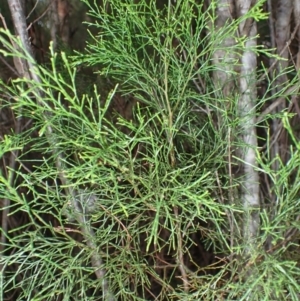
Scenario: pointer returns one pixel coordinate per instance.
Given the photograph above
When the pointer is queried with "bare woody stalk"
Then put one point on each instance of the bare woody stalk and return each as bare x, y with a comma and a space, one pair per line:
6, 201
180, 256
26, 69
280, 38
223, 58
224, 61
247, 84
283, 22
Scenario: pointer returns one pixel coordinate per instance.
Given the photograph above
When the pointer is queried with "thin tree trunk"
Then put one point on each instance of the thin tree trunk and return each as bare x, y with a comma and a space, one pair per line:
279, 23
224, 74
282, 34
247, 102
26, 69
225, 62
224, 57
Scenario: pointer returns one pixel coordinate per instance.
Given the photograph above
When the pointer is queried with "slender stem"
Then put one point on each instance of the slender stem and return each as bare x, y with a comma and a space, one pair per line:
26, 69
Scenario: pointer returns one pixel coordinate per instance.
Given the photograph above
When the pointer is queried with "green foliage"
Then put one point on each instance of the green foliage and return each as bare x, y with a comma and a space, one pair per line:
159, 180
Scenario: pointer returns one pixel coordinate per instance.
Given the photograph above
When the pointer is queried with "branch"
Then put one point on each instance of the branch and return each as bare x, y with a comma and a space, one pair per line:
6, 201
26, 69
180, 256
